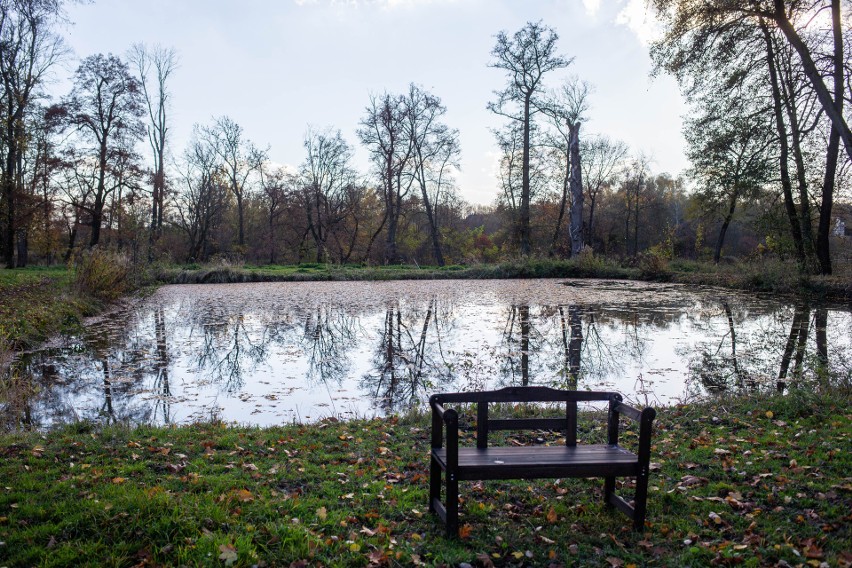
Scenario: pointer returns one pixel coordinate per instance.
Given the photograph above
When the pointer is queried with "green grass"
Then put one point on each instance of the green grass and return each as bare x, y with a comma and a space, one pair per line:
761, 275
218, 273
37, 302
738, 482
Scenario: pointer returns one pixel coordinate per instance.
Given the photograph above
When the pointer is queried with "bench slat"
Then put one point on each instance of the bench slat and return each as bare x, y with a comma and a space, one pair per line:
528, 424
533, 462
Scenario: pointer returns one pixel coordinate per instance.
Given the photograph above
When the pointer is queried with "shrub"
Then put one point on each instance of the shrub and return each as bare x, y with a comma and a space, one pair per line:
102, 274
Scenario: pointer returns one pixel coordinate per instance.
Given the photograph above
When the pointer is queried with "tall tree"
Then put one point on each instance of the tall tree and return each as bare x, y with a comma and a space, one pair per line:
29, 47
602, 160
730, 161
435, 151
803, 54
526, 57
240, 158
154, 66
566, 109
326, 174
277, 185
383, 131
105, 109
199, 207
838, 65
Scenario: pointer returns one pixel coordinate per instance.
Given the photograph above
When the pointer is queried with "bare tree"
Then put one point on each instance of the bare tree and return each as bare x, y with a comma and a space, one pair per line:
153, 67
526, 57
105, 109
602, 158
278, 185
240, 158
436, 151
383, 131
566, 109
326, 175
29, 47
199, 207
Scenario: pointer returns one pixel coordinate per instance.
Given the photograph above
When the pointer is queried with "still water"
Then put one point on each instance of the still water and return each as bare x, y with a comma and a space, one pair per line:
270, 353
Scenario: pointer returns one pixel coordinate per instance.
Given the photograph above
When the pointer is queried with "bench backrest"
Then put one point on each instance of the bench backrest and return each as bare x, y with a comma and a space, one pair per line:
529, 394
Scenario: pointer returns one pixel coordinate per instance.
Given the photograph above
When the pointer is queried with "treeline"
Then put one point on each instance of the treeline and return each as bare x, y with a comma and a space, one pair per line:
97, 167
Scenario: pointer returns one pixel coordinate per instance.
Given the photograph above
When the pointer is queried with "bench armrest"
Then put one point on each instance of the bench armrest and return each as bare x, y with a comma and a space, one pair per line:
644, 417
449, 417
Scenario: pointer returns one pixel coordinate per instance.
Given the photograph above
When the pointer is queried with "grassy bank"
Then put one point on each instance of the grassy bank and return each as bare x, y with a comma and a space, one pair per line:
737, 482
766, 275
315, 271
37, 303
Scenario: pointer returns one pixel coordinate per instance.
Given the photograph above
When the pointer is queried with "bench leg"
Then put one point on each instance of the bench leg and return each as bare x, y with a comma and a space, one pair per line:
434, 483
640, 501
452, 506
609, 489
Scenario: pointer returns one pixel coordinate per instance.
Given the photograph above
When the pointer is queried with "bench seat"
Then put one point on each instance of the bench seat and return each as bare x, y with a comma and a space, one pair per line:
538, 462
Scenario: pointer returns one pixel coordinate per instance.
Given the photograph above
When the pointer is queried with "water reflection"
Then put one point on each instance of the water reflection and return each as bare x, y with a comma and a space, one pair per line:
269, 353
408, 359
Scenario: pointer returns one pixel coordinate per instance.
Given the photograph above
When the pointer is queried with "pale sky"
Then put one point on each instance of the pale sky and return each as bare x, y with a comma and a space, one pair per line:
277, 66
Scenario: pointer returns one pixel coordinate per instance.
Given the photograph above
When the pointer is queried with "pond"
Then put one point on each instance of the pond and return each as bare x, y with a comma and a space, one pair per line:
271, 353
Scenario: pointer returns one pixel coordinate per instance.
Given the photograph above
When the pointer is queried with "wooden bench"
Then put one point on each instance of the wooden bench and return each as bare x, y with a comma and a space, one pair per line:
534, 462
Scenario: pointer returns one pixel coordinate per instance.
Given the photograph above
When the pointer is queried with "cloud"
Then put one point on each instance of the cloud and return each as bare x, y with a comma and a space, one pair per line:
592, 6
640, 20
376, 3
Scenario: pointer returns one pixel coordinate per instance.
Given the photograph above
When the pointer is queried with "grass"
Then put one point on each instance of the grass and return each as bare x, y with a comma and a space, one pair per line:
738, 481
269, 273
761, 275
37, 303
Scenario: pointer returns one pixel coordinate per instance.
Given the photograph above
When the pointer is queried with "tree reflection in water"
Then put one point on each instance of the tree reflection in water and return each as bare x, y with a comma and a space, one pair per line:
329, 332
228, 350
262, 351
409, 359
161, 388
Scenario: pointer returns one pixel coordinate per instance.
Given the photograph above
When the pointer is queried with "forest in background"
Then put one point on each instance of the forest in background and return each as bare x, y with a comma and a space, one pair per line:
769, 86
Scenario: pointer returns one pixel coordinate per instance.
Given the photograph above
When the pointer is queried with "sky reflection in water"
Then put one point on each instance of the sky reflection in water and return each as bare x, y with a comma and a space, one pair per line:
277, 352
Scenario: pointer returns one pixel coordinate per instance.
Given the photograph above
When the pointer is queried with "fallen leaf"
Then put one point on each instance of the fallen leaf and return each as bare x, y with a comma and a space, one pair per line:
464, 531
552, 517
119, 480
322, 513
229, 554
615, 562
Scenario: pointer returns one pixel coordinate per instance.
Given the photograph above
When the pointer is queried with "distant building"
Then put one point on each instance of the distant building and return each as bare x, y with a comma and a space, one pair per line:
840, 229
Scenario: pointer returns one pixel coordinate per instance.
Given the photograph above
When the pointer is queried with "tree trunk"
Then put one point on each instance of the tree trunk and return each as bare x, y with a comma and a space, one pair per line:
576, 190
717, 251
98, 207
831, 108
242, 238
9, 201
562, 204
433, 225
23, 248
801, 175
524, 231
784, 151
832, 153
